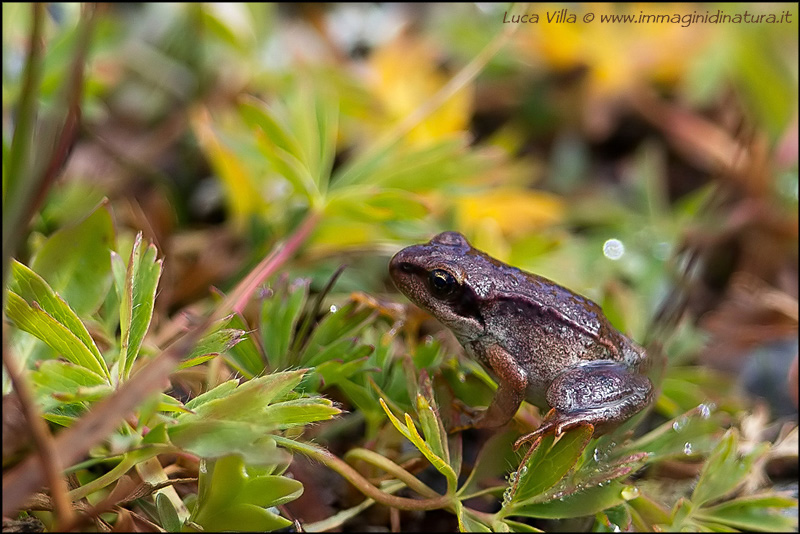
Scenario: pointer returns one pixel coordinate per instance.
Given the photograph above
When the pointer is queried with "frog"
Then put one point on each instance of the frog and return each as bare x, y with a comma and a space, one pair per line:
540, 341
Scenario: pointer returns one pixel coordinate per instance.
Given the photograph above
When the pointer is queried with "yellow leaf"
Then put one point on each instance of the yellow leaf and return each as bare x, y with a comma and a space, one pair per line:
620, 55
512, 212
242, 196
404, 75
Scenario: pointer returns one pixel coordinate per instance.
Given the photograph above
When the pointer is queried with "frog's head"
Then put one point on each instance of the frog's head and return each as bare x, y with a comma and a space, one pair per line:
436, 276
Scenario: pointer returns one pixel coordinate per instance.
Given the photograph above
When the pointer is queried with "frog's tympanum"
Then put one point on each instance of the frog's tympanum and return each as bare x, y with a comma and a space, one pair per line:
542, 342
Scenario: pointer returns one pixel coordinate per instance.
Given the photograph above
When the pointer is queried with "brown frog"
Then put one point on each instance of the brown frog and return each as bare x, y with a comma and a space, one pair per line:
542, 342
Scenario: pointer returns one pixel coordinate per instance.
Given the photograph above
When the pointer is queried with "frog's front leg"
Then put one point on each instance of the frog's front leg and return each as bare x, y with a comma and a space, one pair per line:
601, 394
512, 381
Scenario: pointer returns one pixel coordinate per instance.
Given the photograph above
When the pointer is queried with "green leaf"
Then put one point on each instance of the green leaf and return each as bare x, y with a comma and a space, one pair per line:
333, 328
218, 392
432, 428
724, 470
211, 345
229, 498
55, 376
334, 372
374, 205
516, 526
271, 490
410, 432
245, 356
258, 115
137, 302
167, 514
468, 522
50, 319
248, 401
581, 503
212, 439
764, 513
231, 419
299, 412
768, 84
279, 315
670, 439
170, 405
75, 261
549, 463
245, 518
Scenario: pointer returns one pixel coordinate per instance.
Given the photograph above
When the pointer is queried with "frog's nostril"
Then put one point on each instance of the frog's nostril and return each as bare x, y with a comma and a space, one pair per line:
406, 267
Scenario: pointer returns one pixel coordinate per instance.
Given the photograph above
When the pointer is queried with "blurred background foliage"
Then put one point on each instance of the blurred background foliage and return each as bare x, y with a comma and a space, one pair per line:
637, 164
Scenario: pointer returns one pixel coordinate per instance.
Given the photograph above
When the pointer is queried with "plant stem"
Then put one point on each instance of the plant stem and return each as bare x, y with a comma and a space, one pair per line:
17, 181
392, 468
361, 483
104, 480
237, 300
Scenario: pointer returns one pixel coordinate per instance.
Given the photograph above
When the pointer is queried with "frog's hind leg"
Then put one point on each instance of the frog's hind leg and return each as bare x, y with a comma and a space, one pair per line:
600, 394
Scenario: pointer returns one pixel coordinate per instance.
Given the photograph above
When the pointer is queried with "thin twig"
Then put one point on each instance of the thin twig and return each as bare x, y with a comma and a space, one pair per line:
45, 444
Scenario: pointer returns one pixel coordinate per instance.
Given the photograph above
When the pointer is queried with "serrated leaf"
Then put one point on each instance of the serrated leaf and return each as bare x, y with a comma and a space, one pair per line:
213, 439
55, 376
74, 261
299, 412
218, 392
248, 401
57, 335
212, 345
138, 300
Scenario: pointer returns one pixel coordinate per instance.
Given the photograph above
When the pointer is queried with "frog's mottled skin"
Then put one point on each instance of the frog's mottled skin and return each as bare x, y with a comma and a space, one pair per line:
541, 341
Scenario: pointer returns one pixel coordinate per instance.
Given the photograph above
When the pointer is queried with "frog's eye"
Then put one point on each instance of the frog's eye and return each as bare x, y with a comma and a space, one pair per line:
442, 283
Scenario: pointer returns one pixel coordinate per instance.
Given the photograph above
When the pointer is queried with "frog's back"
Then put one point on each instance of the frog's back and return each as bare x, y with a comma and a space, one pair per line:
552, 298
539, 315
